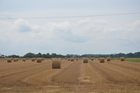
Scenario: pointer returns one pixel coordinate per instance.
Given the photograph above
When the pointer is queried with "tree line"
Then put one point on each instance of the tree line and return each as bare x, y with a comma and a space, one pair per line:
54, 55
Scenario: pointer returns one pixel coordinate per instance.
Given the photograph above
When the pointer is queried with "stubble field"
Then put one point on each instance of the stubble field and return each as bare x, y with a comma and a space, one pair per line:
74, 77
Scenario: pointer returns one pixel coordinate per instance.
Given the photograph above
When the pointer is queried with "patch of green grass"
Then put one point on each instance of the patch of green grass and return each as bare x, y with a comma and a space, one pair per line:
115, 58
128, 59
133, 60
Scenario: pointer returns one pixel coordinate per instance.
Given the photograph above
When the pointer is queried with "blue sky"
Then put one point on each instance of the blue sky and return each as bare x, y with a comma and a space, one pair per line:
78, 35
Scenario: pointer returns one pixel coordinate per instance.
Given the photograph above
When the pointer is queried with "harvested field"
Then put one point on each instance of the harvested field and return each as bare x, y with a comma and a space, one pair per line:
114, 76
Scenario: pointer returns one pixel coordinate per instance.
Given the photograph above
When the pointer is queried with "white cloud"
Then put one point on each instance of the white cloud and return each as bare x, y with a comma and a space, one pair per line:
5, 15
83, 36
132, 32
136, 23
22, 26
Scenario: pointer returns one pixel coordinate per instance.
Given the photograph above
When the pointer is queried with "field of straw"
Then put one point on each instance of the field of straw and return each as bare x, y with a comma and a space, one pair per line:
29, 76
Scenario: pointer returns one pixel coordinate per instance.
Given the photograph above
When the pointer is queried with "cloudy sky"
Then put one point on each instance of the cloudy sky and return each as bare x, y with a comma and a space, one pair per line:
69, 26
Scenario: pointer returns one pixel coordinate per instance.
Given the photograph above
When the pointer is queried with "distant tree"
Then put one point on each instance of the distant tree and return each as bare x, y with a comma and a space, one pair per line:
39, 55
130, 55
53, 55
111, 55
29, 55
48, 55
68, 55
13, 56
137, 54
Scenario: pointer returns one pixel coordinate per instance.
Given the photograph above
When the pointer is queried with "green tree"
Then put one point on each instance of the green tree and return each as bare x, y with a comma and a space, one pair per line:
13, 56
29, 55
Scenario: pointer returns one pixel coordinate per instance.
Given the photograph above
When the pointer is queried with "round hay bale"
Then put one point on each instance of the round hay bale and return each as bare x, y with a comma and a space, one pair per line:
108, 59
72, 59
91, 59
9, 60
27, 58
76, 59
65, 58
12, 58
122, 58
39, 60
69, 59
15, 59
85, 60
102, 60
42, 59
33, 59
56, 63
24, 59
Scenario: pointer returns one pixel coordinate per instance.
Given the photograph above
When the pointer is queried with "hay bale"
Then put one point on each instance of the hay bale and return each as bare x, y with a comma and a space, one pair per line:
85, 60
42, 59
56, 63
91, 59
102, 60
72, 59
69, 59
65, 58
15, 59
9, 60
12, 58
24, 59
108, 59
76, 59
39, 60
27, 59
122, 58
33, 59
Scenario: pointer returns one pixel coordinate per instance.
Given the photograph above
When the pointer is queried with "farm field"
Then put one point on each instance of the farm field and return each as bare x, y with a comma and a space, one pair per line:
74, 77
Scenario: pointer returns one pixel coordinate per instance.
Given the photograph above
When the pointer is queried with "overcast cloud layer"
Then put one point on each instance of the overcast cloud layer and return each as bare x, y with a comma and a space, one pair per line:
81, 35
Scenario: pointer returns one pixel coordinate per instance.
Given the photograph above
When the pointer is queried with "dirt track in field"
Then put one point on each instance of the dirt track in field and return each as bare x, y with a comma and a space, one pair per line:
74, 77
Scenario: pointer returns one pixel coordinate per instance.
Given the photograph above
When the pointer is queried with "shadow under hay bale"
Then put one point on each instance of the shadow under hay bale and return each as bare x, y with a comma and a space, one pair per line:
122, 59
56, 63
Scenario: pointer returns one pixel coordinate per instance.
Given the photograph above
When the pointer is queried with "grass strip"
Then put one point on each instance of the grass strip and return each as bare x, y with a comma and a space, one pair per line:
133, 60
